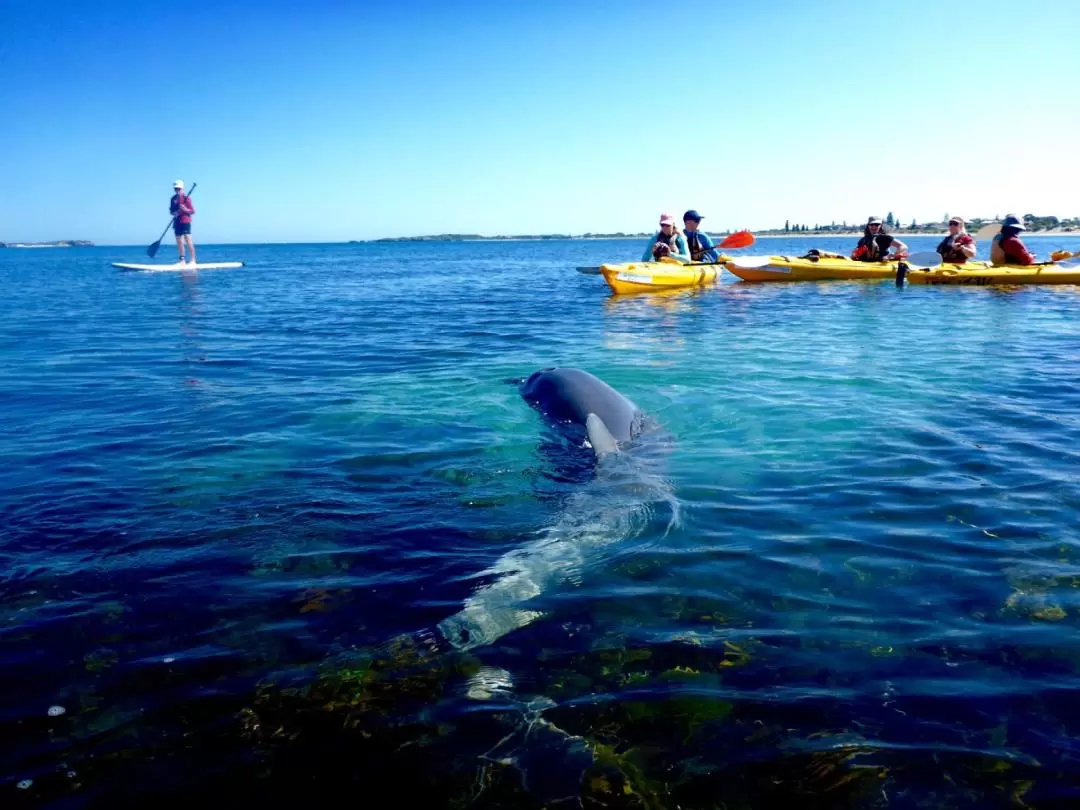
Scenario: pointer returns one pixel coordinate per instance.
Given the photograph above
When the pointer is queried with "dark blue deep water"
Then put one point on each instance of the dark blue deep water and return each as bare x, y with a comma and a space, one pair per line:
235, 504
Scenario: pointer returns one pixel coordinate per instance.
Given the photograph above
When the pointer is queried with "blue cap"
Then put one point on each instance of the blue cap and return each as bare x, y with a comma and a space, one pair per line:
692, 214
1013, 221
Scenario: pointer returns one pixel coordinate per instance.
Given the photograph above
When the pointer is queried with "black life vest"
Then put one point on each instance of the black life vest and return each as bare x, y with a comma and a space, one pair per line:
693, 242
949, 252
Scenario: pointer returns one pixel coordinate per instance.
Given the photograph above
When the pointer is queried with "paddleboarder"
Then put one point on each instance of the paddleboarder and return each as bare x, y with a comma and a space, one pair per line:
182, 209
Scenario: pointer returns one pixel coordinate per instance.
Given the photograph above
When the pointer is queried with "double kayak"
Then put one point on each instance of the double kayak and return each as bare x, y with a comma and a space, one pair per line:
631, 277
981, 274
806, 268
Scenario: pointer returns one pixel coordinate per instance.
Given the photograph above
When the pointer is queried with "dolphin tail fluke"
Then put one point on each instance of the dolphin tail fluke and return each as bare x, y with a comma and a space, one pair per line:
599, 436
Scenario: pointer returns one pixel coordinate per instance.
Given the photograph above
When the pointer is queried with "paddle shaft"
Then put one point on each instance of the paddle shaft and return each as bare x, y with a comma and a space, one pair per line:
153, 249
922, 261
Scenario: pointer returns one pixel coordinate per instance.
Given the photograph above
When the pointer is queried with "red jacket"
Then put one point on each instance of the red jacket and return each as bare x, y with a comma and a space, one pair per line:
1015, 251
181, 207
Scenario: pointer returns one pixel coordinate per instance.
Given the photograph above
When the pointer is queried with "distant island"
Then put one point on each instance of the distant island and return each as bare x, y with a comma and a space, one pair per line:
1035, 224
60, 243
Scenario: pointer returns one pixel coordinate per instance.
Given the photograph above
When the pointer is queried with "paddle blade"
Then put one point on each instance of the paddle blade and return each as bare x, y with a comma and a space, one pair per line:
987, 232
750, 262
739, 239
153, 249
924, 260
589, 271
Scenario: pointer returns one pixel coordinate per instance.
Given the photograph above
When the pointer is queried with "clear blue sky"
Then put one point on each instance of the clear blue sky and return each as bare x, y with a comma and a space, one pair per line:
326, 120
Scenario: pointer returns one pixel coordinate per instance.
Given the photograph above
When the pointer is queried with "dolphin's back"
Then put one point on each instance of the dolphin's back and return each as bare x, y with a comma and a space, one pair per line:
570, 395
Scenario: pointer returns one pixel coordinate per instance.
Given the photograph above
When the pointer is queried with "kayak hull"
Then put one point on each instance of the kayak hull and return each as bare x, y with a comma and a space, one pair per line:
988, 276
182, 266
787, 268
634, 277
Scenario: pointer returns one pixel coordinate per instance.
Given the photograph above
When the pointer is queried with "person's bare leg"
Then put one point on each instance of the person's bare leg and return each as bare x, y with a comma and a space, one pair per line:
180, 249
190, 247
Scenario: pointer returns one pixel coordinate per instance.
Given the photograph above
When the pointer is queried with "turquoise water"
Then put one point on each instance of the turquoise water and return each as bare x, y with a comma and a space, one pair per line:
852, 581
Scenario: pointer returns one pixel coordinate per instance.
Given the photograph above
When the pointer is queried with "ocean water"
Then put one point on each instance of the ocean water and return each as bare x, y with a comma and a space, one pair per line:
232, 502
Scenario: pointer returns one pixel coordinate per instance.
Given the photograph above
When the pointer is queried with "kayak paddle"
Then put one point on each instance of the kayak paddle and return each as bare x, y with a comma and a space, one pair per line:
927, 260
737, 240
987, 231
153, 249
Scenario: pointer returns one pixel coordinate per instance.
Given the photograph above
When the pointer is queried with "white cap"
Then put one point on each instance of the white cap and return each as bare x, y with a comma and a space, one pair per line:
178, 184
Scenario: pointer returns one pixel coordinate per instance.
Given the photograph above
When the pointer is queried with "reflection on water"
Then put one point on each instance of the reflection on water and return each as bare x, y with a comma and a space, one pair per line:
650, 320
190, 316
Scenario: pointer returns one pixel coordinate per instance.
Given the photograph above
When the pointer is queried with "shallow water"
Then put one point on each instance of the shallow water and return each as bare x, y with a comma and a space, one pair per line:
222, 488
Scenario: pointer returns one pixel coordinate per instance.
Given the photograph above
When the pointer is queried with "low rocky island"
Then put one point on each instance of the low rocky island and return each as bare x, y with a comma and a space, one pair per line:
58, 243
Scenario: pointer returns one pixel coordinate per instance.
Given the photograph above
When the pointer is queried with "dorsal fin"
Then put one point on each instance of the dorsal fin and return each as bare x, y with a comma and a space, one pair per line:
599, 436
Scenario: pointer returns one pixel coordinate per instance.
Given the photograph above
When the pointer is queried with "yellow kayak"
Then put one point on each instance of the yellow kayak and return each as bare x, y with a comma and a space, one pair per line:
632, 277
982, 274
787, 268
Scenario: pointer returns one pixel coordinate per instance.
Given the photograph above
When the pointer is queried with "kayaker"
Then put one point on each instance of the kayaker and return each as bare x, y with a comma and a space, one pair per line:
667, 242
958, 246
1007, 247
181, 207
699, 243
875, 244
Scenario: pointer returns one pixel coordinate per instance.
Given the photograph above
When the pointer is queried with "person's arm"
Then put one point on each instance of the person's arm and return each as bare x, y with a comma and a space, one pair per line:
682, 249
967, 248
709, 251
647, 255
898, 247
187, 206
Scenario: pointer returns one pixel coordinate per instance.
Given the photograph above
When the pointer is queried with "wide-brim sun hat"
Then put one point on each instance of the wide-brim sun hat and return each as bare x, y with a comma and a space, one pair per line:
667, 219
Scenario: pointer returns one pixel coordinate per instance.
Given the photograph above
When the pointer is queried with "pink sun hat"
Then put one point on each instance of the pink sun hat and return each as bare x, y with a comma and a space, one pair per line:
667, 219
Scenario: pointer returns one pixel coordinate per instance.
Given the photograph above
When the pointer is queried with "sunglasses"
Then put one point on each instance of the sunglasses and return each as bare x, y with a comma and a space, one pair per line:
957, 224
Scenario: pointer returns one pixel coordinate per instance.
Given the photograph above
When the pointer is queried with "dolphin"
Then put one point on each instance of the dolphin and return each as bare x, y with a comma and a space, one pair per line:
626, 494
570, 396
619, 503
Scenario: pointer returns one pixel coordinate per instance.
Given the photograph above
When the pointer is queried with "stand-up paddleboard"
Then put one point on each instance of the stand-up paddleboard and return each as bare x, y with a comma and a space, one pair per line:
179, 266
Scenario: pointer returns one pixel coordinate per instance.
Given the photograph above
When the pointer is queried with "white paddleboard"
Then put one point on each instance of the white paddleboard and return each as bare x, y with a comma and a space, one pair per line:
179, 266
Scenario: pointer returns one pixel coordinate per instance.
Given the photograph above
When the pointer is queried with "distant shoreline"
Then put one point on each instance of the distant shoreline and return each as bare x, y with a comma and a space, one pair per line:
57, 244
636, 237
